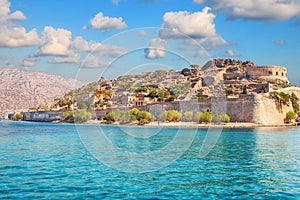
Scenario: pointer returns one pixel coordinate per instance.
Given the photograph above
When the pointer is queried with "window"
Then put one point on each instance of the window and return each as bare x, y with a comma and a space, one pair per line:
270, 72
276, 73
282, 74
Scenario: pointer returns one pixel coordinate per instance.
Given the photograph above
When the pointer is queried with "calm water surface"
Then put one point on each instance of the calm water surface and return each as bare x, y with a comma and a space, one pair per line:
49, 161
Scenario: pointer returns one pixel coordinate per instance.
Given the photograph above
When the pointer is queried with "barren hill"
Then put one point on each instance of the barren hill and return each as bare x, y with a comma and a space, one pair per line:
22, 89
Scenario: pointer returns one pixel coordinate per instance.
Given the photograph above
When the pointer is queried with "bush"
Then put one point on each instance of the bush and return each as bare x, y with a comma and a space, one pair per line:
118, 116
82, 105
170, 116
221, 118
133, 113
203, 117
290, 116
77, 116
179, 89
188, 116
81, 116
296, 107
162, 116
143, 117
17, 117
173, 116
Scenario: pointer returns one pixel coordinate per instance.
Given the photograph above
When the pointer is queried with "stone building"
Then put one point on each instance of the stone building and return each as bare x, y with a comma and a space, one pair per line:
263, 88
267, 72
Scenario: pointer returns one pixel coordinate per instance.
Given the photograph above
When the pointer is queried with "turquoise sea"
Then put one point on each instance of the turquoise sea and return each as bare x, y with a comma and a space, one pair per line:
50, 161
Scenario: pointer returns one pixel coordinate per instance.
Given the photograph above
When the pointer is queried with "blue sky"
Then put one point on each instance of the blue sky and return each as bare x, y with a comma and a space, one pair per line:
89, 39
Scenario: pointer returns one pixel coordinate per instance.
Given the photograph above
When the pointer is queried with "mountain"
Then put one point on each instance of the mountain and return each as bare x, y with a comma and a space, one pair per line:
22, 89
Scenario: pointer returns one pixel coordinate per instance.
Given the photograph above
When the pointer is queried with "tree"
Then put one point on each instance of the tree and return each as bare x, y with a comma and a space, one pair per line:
81, 116
206, 117
118, 116
133, 113
290, 116
188, 116
144, 117
162, 116
17, 117
82, 105
221, 118
179, 89
170, 116
203, 117
77, 116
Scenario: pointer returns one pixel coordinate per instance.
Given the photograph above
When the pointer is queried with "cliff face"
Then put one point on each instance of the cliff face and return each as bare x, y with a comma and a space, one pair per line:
22, 89
43, 116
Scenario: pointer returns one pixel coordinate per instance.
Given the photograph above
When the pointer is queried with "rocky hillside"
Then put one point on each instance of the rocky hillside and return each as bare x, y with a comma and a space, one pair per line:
22, 89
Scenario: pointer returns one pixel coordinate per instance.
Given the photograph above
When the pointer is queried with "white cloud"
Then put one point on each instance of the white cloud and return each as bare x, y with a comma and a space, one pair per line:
17, 37
270, 10
199, 1
92, 61
18, 15
105, 23
198, 25
65, 59
59, 43
156, 49
279, 42
230, 53
28, 62
116, 2
142, 33
195, 25
55, 42
210, 43
81, 45
12, 35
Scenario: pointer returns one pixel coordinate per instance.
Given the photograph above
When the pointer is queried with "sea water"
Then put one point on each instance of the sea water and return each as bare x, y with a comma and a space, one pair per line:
51, 161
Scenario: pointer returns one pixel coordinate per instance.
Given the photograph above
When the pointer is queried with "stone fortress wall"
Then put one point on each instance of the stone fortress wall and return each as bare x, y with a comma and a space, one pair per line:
247, 108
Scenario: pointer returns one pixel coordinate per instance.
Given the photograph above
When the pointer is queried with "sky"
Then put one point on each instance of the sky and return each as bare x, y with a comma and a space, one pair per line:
89, 39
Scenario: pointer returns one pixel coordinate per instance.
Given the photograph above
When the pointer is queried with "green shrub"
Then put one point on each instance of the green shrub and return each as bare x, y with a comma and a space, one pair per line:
77, 116
162, 116
179, 89
173, 116
296, 107
82, 105
17, 117
290, 116
170, 116
118, 116
188, 116
81, 116
203, 117
133, 113
221, 118
144, 117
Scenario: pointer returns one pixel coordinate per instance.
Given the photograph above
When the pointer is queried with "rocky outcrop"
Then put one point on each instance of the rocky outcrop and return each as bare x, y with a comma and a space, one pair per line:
43, 116
22, 89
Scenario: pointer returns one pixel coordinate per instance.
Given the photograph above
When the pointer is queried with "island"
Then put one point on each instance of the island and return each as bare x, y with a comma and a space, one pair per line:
221, 91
